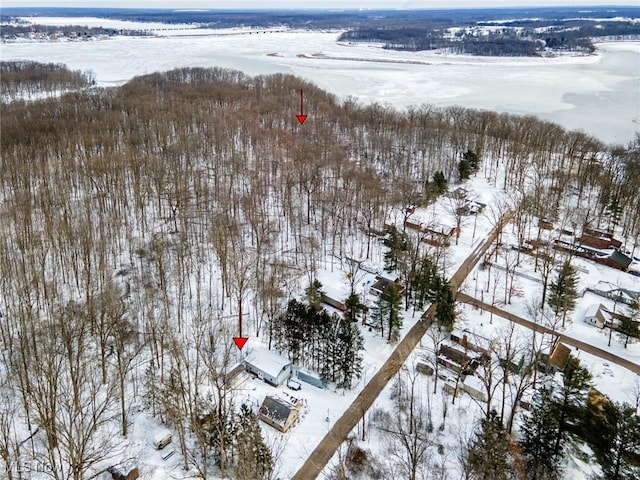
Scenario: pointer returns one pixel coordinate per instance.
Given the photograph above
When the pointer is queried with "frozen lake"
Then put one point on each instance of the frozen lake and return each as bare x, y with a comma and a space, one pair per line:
599, 94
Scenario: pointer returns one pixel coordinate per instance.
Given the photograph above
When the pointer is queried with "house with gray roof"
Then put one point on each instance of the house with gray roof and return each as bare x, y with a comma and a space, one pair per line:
278, 413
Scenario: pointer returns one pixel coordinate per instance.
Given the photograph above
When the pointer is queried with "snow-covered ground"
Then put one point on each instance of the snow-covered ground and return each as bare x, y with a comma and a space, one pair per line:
540, 86
596, 93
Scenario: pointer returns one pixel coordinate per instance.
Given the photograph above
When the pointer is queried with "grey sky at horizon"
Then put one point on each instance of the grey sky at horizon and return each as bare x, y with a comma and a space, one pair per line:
313, 4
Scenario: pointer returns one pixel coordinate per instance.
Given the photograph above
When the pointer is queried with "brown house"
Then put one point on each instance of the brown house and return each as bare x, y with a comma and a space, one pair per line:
381, 285
559, 356
599, 239
278, 413
333, 302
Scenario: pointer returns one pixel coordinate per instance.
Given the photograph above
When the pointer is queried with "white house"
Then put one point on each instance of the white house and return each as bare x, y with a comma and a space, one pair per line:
268, 366
596, 315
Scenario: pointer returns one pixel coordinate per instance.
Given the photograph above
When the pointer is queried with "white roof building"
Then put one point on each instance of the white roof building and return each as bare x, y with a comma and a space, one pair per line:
268, 366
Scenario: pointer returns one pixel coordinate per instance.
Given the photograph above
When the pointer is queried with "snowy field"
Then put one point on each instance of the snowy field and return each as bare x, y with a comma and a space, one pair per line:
597, 93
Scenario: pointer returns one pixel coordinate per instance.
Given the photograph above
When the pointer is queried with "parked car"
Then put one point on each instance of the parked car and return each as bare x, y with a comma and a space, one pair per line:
294, 384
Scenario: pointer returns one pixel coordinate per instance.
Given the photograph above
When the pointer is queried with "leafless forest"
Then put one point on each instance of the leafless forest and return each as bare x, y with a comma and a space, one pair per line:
138, 223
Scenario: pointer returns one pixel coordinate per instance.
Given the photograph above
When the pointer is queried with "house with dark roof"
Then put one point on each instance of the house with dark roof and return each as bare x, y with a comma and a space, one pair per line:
616, 260
278, 413
381, 284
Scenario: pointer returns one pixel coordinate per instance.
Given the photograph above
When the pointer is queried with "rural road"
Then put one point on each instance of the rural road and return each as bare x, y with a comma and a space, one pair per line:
598, 352
328, 446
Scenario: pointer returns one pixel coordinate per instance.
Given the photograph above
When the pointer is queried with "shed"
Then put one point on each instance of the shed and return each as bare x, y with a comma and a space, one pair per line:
268, 366
337, 304
278, 413
312, 378
616, 260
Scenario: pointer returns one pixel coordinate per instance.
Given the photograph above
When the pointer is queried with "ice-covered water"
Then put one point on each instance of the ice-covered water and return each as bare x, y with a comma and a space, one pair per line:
599, 94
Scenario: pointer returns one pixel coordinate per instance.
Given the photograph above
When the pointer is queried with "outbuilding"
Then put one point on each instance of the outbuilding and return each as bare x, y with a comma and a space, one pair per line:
312, 378
268, 366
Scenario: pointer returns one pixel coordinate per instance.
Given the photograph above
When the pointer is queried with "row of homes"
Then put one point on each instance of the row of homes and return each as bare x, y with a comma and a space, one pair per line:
596, 245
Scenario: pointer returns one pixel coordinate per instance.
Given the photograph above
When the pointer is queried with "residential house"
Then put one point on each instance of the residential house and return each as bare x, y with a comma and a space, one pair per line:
599, 239
268, 366
381, 284
559, 357
332, 302
470, 340
439, 235
472, 207
616, 260
615, 293
279, 413
595, 315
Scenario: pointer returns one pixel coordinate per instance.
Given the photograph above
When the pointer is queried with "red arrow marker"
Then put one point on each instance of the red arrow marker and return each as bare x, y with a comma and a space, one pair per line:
240, 341
302, 117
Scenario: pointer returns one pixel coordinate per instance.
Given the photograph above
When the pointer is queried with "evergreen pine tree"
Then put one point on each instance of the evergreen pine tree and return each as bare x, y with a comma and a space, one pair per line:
254, 460
563, 292
622, 460
390, 304
314, 294
397, 243
489, 450
440, 182
445, 303
538, 438
349, 345
435, 188
355, 307
423, 280
629, 328
571, 401
614, 211
472, 159
327, 353
464, 169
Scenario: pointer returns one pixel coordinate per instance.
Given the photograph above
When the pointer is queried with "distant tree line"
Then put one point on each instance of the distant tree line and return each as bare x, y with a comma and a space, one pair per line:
502, 42
29, 78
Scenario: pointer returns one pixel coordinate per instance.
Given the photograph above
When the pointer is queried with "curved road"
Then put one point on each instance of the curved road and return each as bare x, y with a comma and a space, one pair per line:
327, 447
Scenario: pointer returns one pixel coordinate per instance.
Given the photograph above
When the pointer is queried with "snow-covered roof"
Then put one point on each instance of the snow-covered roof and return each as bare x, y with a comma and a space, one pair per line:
604, 286
592, 310
276, 409
267, 361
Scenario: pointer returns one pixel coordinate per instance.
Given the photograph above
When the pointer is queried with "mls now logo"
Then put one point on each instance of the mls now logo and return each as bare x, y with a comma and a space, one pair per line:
27, 468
